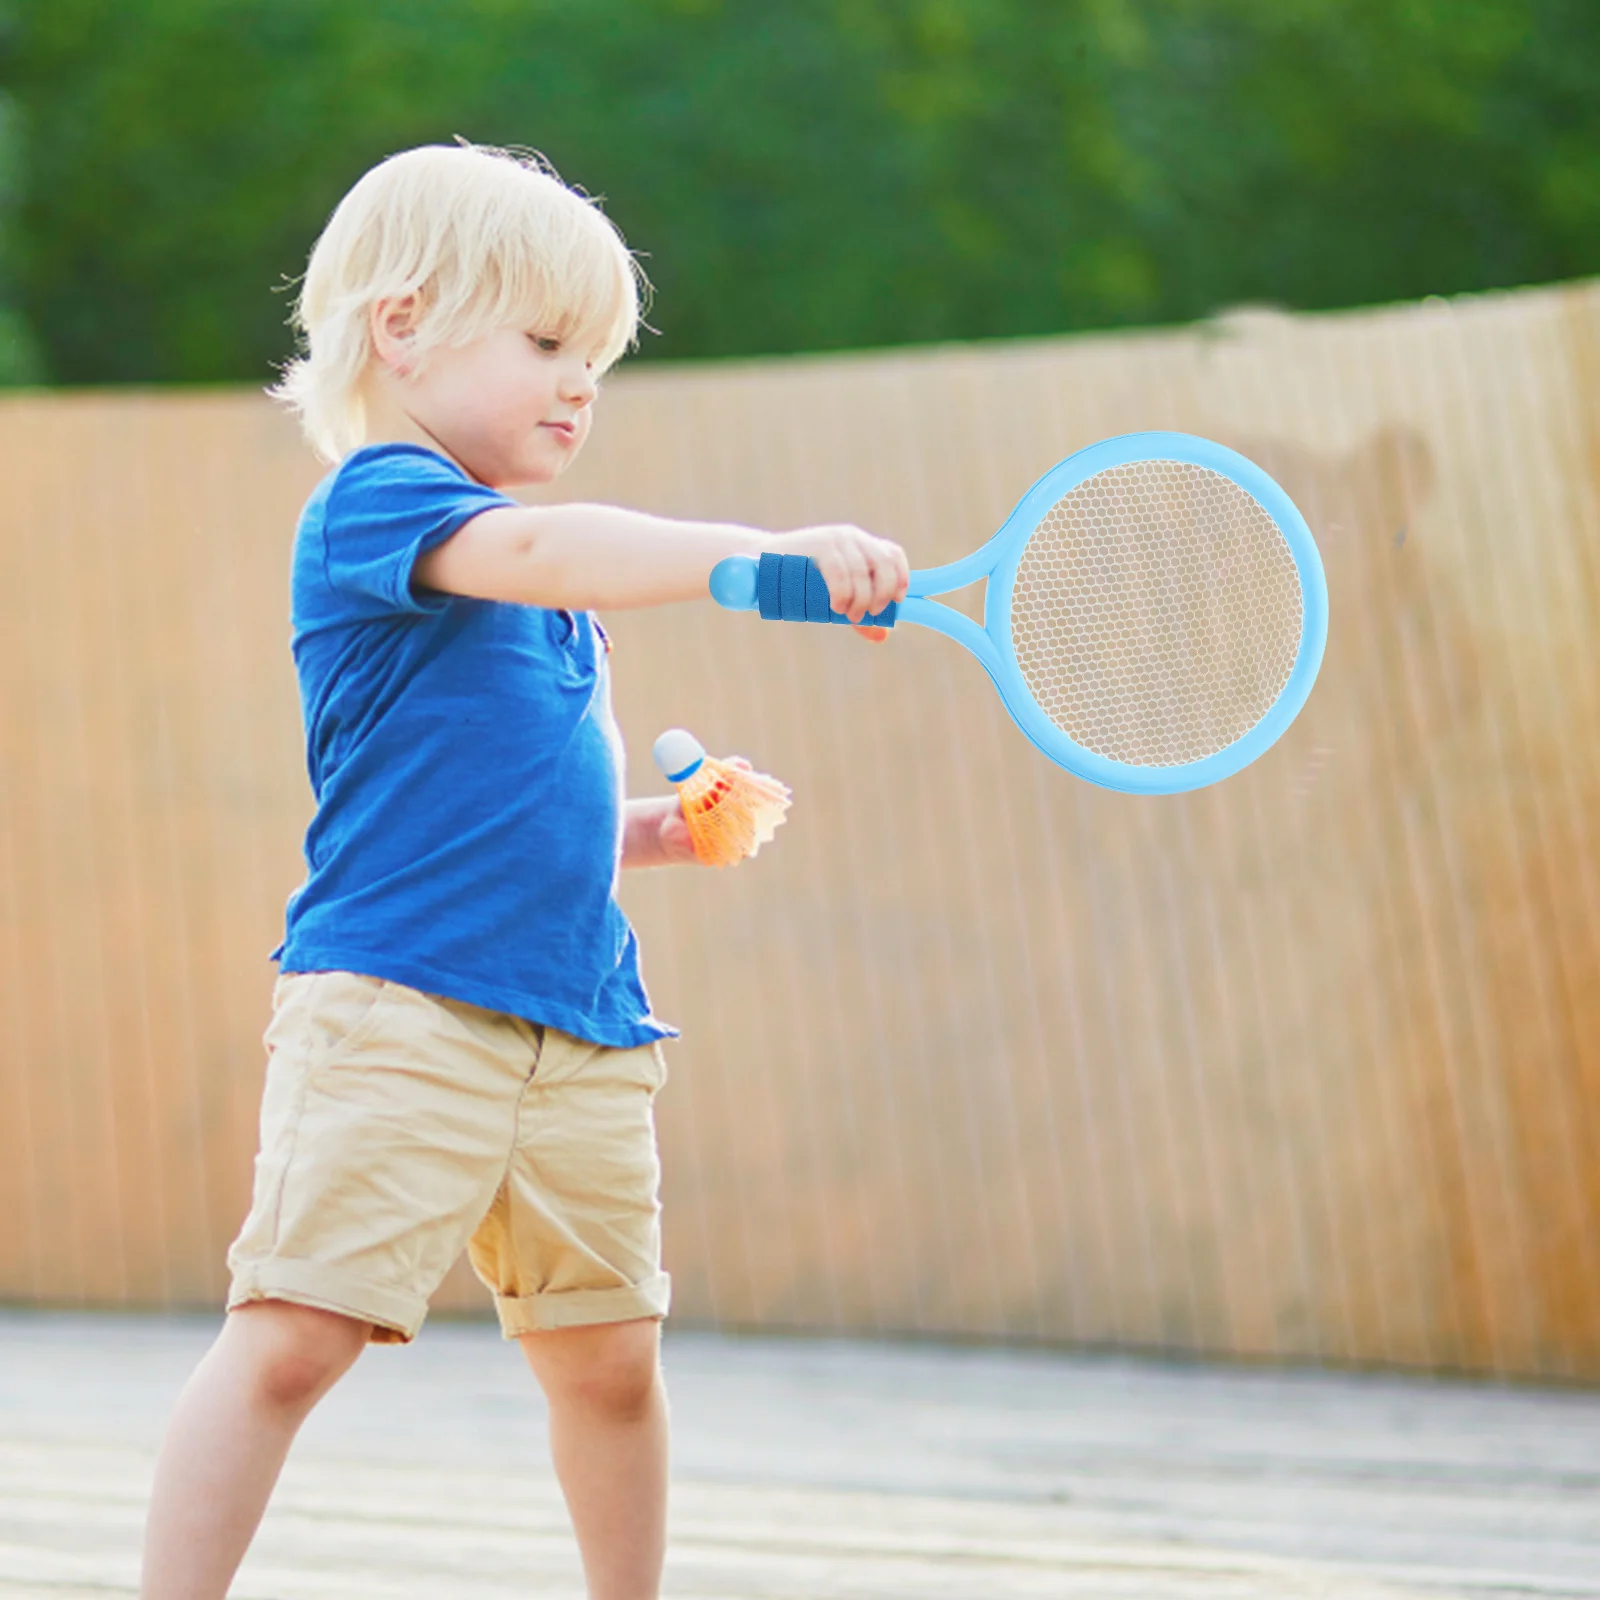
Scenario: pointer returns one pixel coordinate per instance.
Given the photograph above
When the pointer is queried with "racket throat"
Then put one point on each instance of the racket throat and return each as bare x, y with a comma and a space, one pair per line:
955, 625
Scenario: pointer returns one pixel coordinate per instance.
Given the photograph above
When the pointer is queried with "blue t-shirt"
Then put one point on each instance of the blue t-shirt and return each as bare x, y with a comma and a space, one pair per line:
467, 768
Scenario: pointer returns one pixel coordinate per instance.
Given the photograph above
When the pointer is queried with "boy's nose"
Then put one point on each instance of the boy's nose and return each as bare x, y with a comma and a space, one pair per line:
578, 385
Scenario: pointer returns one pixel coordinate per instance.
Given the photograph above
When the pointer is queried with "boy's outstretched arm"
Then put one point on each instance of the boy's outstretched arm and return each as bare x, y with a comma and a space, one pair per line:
608, 558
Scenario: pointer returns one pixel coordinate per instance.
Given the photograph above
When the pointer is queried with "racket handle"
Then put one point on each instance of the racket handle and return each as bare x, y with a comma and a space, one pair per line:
783, 589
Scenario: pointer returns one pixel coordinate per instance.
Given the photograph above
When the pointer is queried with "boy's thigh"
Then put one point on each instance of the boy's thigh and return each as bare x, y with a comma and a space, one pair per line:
385, 1126
574, 1235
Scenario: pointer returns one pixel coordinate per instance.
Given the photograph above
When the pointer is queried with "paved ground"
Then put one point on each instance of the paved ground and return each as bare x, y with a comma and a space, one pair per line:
832, 1471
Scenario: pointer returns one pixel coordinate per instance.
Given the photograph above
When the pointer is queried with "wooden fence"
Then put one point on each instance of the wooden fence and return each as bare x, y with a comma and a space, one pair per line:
1305, 1067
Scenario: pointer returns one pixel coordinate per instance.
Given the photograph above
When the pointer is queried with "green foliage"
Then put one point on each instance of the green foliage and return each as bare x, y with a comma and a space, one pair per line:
20, 358
20, 361
806, 174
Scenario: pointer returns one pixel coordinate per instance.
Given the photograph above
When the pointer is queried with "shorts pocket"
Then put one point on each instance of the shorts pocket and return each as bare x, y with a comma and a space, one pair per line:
643, 1064
659, 1061
327, 1013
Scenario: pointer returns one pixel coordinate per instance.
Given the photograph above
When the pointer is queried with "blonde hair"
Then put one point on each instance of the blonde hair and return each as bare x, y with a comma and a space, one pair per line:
486, 239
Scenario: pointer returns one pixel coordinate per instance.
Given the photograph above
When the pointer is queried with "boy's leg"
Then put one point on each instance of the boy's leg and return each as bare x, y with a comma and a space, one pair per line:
228, 1437
608, 1437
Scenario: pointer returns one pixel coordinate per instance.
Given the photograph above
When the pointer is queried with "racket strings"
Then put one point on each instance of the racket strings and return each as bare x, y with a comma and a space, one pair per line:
1156, 613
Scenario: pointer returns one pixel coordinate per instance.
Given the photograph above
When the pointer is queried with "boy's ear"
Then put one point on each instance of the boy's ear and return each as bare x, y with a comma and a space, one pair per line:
394, 325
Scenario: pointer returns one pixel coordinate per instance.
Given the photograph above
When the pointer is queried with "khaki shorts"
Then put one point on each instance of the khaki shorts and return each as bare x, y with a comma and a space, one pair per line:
399, 1127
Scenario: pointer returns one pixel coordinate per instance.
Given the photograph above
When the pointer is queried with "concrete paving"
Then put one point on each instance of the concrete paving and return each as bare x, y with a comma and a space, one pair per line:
831, 1470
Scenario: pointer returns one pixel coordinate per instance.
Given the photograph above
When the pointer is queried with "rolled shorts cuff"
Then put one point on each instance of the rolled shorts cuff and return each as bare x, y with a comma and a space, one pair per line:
306, 1283
578, 1308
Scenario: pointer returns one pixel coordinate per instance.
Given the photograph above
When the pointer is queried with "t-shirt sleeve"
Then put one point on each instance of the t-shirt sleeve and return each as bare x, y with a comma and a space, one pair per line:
385, 510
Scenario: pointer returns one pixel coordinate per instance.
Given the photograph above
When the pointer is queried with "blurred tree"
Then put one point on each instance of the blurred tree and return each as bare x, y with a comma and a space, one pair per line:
19, 354
810, 174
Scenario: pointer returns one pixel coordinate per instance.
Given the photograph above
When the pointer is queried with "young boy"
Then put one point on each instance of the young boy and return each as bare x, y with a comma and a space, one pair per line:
461, 1051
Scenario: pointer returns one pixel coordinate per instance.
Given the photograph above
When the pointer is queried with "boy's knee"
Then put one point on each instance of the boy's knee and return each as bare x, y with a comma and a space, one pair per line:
613, 1368
624, 1390
298, 1352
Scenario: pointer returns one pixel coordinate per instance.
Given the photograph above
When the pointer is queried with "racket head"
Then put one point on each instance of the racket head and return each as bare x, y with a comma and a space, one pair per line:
1102, 657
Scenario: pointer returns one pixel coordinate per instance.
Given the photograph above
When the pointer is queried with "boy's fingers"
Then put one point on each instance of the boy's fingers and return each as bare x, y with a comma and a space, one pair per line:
866, 586
883, 579
876, 635
888, 576
864, 574
855, 585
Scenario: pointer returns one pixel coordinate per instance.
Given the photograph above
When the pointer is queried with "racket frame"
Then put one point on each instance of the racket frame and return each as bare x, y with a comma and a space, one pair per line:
999, 557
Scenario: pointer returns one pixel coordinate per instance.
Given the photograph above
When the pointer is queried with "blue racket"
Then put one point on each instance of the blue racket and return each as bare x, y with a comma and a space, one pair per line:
1154, 619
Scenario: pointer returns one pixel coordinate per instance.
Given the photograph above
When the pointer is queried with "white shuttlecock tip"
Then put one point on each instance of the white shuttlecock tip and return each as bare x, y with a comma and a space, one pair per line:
678, 753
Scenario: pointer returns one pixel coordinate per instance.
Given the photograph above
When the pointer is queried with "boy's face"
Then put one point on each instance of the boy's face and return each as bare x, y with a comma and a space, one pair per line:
512, 408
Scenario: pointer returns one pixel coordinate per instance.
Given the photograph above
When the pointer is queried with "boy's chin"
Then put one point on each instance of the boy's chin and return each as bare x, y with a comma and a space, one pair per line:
539, 468
525, 474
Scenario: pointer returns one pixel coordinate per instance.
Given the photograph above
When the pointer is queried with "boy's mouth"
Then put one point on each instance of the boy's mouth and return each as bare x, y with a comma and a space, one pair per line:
564, 430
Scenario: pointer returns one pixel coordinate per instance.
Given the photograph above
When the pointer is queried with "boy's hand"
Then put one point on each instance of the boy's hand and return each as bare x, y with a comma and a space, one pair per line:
654, 833
672, 833
863, 572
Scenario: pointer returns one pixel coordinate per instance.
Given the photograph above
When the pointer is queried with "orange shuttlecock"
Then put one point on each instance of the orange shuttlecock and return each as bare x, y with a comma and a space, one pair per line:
731, 810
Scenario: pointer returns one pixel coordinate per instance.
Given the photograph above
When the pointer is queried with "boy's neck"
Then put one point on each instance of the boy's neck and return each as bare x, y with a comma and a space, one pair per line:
388, 422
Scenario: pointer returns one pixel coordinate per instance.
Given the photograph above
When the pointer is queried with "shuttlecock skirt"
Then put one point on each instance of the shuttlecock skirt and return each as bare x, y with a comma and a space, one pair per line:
731, 810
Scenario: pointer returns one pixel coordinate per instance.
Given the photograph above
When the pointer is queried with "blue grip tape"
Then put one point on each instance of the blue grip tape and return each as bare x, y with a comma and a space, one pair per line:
767, 593
792, 589
818, 607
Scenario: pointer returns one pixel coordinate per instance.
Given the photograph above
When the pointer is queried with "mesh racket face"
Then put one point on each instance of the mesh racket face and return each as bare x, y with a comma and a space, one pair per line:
1156, 613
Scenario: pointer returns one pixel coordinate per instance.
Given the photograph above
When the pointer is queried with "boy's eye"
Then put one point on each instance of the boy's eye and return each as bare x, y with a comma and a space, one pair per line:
547, 342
